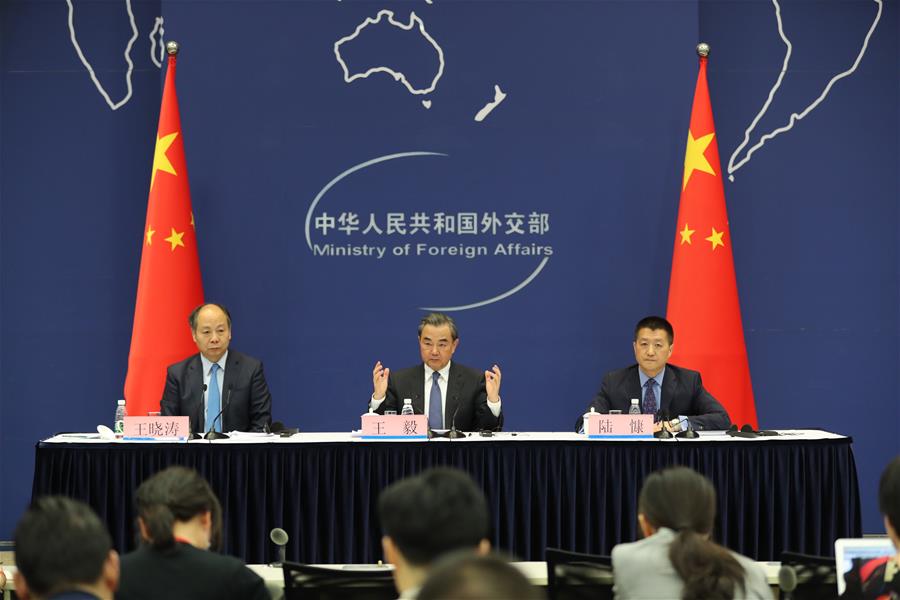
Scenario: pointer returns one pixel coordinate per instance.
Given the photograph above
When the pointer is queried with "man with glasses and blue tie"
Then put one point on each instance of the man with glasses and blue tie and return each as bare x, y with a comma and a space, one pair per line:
446, 392
663, 389
219, 389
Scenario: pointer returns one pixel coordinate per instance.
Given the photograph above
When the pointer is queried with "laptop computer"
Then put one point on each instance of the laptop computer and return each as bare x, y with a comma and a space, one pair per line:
846, 549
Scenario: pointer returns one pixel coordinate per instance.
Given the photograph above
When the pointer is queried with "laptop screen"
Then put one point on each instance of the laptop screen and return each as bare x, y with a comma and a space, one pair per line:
847, 549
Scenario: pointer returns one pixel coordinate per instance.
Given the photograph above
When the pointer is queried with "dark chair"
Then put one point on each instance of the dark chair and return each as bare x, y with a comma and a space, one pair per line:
576, 576
305, 582
807, 577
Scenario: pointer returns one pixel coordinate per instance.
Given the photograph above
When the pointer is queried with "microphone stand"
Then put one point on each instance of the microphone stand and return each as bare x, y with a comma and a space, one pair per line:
195, 435
218, 435
455, 434
663, 433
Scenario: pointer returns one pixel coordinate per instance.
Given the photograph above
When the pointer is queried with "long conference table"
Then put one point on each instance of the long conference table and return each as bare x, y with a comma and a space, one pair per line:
797, 491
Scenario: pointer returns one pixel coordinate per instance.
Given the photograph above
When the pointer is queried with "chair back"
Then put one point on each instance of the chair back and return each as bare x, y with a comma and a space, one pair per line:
305, 582
577, 576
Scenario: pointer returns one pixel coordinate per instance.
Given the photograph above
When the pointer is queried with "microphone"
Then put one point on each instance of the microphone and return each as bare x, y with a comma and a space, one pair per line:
688, 433
216, 435
454, 434
280, 538
787, 581
195, 435
663, 433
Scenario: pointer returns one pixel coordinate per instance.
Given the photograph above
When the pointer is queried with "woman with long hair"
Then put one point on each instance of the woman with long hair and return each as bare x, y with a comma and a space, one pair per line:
180, 519
677, 558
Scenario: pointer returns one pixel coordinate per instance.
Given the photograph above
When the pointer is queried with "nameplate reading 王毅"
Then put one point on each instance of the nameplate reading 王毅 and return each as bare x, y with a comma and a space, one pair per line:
380, 427
624, 426
157, 428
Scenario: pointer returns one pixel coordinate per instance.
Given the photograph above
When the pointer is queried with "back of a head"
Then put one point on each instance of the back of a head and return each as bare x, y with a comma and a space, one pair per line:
176, 494
469, 576
433, 513
889, 494
60, 543
681, 499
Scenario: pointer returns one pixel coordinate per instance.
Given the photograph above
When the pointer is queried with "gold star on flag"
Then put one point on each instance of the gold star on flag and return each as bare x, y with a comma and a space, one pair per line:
716, 238
694, 160
160, 160
686, 234
149, 235
175, 239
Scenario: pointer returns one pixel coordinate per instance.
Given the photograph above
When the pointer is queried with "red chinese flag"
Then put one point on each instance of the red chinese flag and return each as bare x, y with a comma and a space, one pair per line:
169, 286
703, 297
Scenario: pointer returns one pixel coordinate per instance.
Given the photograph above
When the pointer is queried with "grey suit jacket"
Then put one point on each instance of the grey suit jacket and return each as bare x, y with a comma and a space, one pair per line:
642, 570
466, 397
245, 394
682, 394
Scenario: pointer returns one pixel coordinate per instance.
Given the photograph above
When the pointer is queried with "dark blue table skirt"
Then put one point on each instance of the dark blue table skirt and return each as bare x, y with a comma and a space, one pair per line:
582, 496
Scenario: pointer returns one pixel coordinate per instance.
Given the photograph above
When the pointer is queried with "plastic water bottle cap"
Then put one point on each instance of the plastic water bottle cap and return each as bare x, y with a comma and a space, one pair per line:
592, 409
120, 402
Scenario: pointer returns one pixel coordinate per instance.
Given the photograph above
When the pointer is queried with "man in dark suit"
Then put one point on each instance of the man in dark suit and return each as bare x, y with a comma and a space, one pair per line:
448, 393
202, 385
64, 552
662, 389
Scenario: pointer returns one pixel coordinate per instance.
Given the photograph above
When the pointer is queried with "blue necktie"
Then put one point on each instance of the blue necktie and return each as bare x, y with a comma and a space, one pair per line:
435, 413
213, 401
650, 398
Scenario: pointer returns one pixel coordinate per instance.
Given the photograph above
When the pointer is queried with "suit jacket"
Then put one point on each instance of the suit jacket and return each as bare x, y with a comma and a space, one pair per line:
643, 570
244, 389
466, 393
187, 573
682, 394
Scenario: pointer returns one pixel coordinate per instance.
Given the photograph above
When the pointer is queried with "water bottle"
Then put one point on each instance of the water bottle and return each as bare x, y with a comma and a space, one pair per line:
119, 424
407, 407
635, 408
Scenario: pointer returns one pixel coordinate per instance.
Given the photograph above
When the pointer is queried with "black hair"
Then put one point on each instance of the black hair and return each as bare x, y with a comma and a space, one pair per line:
685, 501
889, 493
468, 576
176, 494
192, 318
435, 512
438, 320
60, 543
654, 323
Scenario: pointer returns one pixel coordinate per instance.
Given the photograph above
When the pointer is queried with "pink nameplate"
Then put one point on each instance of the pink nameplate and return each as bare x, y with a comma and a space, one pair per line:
619, 426
377, 426
156, 428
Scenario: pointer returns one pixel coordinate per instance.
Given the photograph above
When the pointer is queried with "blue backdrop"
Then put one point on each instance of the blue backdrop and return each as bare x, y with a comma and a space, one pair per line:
578, 160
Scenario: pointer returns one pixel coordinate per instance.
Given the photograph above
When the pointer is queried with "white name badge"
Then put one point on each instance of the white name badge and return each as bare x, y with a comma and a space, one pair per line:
375, 426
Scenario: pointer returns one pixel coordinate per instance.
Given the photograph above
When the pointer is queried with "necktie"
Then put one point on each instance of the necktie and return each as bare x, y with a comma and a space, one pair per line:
650, 398
213, 401
435, 412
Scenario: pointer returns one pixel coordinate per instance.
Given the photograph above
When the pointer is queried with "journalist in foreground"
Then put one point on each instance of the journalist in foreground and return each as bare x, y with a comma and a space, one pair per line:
180, 519
218, 388
448, 393
880, 577
676, 558
672, 393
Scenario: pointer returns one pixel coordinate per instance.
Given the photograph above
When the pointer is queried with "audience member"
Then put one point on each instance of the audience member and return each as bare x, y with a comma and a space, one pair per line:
427, 516
468, 576
64, 552
179, 518
676, 558
880, 577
